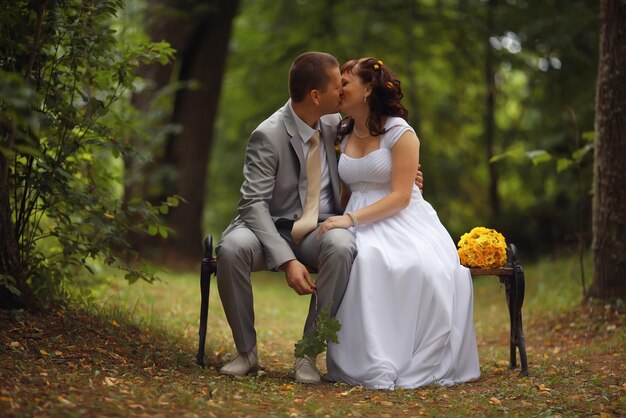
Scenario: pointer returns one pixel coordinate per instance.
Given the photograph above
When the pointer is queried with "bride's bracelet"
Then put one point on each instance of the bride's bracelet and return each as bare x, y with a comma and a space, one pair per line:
352, 216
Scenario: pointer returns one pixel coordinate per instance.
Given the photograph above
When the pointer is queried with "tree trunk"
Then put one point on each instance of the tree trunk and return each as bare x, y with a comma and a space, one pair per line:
10, 264
609, 200
494, 200
200, 32
9, 255
410, 68
9, 259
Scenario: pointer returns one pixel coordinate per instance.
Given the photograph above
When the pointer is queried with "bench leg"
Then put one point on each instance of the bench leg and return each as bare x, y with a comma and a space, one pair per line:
520, 286
515, 289
521, 344
205, 288
510, 302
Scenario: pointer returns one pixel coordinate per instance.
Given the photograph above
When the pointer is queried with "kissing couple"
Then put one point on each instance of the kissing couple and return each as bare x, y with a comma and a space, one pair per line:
387, 267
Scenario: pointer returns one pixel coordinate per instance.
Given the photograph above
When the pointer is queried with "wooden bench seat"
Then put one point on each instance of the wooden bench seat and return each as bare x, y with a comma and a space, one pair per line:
511, 275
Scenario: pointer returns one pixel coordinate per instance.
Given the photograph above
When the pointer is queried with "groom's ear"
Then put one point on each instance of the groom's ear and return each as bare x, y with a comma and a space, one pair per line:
315, 96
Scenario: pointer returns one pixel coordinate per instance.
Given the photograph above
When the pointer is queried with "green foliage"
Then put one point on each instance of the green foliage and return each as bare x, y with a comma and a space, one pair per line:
562, 162
315, 342
66, 76
8, 283
545, 60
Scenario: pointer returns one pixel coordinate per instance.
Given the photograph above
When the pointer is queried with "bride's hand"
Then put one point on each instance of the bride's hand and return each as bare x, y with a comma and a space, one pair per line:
343, 221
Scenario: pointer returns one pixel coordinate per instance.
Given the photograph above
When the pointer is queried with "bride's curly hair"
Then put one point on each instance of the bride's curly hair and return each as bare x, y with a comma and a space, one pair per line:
384, 99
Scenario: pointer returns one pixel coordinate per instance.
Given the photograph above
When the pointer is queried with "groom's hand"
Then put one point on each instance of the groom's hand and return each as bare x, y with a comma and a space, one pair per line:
298, 277
419, 178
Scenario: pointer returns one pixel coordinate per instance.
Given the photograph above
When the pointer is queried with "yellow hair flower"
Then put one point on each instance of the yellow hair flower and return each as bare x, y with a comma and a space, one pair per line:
376, 67
389, 84
380, 62
483, 248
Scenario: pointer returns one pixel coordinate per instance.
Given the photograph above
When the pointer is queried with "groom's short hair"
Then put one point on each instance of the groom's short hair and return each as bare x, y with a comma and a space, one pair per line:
309, 71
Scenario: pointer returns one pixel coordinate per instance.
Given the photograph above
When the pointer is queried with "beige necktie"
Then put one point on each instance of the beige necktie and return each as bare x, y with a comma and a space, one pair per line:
308, 221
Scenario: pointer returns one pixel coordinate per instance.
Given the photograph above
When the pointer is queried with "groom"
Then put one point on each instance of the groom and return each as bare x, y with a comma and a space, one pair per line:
290, 185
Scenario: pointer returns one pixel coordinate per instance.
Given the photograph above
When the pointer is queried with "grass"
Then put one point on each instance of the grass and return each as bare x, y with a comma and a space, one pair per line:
131, 352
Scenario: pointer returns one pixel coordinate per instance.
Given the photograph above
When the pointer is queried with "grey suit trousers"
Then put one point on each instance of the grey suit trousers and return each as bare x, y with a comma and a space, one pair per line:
240, 252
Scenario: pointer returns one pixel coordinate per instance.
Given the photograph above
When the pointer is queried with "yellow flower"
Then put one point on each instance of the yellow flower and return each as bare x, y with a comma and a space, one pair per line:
376, 67
483, 248
380, 62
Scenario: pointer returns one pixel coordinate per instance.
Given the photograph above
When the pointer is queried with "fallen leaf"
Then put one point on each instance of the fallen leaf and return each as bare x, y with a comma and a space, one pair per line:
110, 381
114, 323
15, 344
287, 387
65, 401
346, 393
58, 353
43, 352
495, 401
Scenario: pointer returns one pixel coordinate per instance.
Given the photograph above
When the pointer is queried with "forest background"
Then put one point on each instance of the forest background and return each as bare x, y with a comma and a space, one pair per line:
481, 80
123, 127
125, 123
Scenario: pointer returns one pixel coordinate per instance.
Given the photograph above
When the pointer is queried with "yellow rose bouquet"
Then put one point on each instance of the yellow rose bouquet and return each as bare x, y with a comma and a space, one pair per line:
483, 248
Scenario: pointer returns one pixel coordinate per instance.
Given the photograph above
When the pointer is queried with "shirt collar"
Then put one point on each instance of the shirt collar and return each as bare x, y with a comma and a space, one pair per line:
305, 131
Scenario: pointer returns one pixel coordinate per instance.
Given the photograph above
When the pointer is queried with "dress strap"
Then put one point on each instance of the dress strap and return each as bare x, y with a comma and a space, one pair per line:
395, 128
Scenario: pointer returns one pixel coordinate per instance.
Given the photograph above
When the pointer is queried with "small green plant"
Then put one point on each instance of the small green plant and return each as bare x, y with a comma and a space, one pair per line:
316, 342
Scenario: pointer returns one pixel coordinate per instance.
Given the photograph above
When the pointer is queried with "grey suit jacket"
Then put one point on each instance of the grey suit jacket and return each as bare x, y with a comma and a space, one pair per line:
274, 187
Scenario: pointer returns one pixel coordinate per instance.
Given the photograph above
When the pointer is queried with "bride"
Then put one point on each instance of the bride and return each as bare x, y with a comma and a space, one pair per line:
407, 314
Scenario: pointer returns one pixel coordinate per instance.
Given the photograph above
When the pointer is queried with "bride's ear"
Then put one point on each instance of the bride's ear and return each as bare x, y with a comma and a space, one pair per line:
368, 89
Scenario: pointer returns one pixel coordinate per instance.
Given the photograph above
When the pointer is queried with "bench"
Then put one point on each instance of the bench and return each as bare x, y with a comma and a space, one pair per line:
511, 275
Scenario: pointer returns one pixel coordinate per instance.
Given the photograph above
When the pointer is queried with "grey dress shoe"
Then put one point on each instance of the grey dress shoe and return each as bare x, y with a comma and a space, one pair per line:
306, 371
244, 364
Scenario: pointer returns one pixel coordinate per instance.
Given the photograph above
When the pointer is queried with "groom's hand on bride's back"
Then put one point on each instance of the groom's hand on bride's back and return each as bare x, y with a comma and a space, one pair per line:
298, 277
419, 178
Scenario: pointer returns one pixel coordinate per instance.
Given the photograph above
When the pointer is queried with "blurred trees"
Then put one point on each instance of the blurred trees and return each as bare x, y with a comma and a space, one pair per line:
199, 31
609, 201
513, 78
501, 93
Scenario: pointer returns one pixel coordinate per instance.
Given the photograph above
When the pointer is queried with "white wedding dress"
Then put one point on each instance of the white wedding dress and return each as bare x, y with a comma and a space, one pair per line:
407, 314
